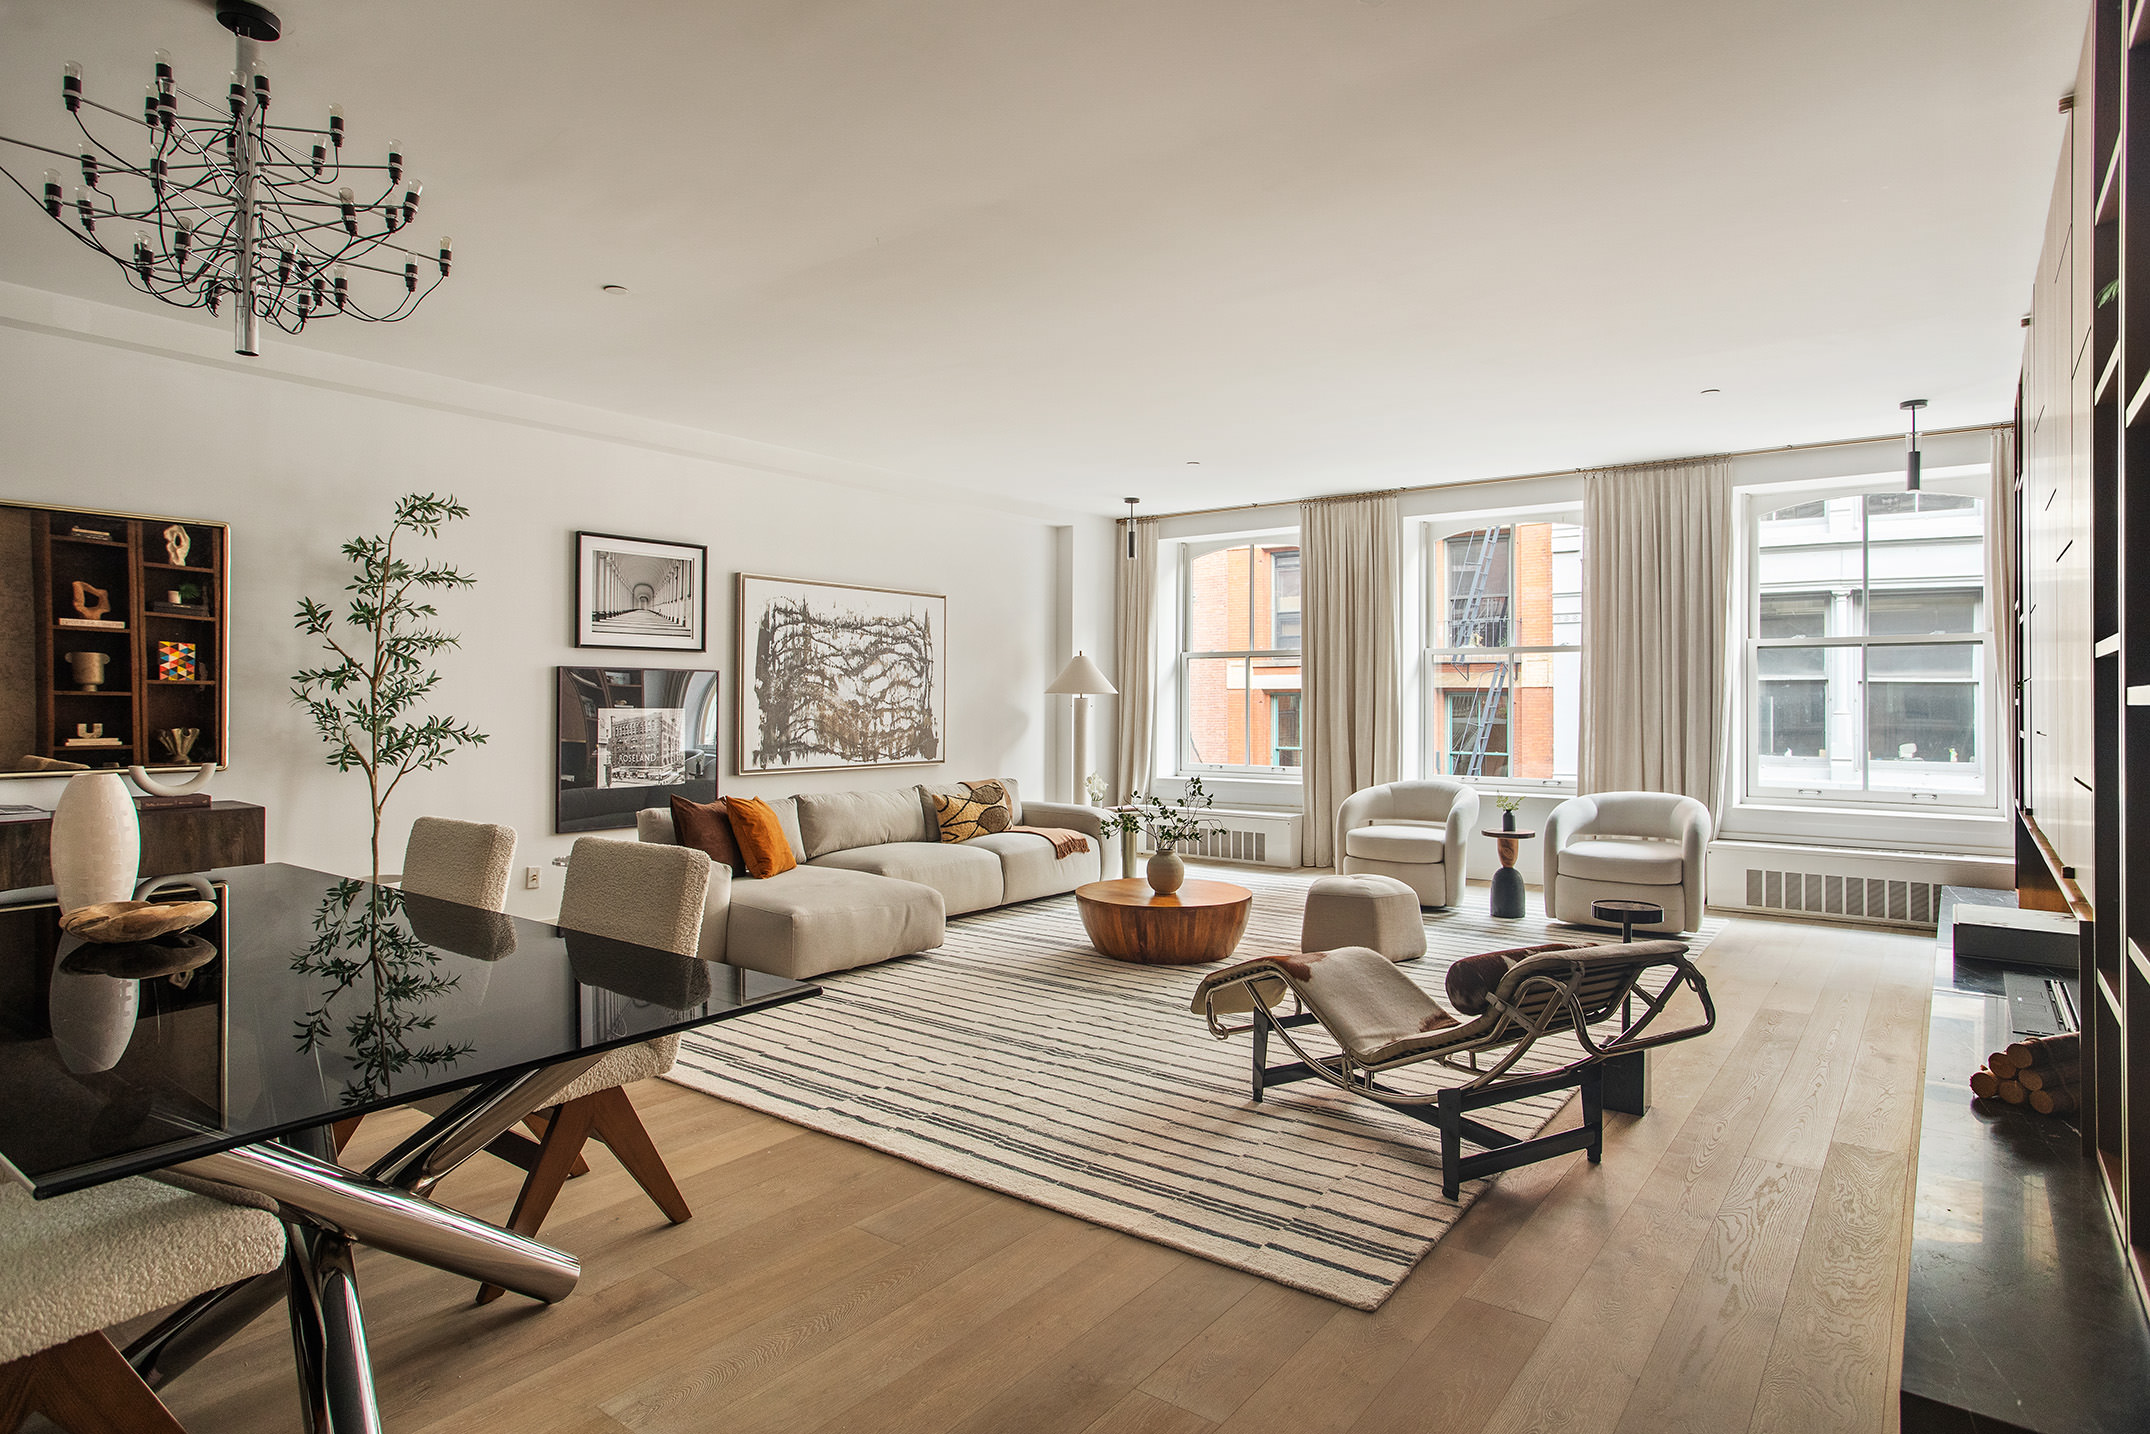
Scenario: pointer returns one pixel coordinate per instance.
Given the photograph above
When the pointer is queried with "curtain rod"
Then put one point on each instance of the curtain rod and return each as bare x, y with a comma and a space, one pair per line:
1570, 472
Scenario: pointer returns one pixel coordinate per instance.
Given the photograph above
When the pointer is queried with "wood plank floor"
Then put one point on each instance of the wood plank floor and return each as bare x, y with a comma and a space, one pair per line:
1735, 1263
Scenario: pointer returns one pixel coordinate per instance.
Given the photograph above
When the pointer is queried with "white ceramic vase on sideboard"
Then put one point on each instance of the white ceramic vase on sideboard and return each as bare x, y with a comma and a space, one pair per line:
96, 841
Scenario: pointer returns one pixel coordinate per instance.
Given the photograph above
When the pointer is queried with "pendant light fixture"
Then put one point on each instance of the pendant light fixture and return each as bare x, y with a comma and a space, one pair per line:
228, 211
1130, 502
1911, 459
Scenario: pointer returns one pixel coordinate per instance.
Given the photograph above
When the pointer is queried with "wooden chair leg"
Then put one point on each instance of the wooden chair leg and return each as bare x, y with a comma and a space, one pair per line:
623, 1133
564, 1135
537, 1120
85, 1386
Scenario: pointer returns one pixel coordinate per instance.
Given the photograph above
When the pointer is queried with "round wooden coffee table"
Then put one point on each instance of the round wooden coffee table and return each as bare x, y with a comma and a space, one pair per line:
1200, 922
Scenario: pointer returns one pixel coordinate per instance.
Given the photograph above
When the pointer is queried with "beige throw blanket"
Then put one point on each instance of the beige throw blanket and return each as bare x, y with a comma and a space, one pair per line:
1066, 841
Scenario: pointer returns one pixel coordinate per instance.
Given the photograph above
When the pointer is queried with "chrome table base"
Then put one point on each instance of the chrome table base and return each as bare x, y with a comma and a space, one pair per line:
326, 1211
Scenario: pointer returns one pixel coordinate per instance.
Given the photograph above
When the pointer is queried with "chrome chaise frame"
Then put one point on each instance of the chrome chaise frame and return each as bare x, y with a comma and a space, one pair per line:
1546, 993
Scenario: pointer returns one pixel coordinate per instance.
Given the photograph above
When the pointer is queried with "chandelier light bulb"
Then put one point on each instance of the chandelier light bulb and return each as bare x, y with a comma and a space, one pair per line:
345, 198
395, 162
71, 85
84, 210
410, 276
181, 239
410, 201
150, 96
447, 254
163, 61
144, 256
52, 192
335, 125
89, 166
342, 278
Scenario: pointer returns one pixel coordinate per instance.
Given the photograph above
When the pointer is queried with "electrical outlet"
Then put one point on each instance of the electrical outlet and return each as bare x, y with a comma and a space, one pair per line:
530, 878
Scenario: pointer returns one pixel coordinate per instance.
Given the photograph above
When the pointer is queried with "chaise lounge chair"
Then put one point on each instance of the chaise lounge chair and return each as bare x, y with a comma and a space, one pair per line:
1381, 1022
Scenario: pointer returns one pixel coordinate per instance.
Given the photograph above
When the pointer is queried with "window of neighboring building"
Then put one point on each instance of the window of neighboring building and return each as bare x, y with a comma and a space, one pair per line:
1503, 658
1866, 648
1239, 656
1284, 729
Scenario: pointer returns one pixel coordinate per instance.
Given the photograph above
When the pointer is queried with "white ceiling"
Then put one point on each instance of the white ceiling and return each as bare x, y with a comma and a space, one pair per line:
1067, 249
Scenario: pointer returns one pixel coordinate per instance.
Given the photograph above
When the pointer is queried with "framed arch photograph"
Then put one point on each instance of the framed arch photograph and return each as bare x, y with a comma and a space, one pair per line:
641, 592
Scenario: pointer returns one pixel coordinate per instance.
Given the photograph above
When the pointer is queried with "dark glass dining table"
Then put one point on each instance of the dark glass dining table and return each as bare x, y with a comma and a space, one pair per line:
221, 1059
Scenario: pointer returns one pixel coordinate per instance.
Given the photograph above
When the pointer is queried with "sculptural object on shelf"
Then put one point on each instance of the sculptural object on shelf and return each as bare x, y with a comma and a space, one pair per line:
92, 603
176, 543
178, 742
89, 668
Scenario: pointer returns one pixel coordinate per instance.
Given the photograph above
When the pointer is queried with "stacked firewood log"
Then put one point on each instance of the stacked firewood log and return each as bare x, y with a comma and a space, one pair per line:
2044, 1073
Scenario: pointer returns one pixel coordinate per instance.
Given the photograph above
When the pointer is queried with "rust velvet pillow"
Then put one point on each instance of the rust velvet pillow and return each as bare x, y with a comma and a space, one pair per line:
760, 836
709, 827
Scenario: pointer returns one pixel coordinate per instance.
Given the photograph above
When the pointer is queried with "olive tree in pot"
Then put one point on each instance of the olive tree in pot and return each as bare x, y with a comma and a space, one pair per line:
365, 700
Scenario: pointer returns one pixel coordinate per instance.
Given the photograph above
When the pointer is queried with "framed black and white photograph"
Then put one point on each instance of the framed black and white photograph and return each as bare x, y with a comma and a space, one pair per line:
640, 592
630, 738
833, 675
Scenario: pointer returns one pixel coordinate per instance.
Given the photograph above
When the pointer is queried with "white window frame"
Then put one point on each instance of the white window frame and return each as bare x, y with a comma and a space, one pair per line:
1972, 483
1185, 764
1434, 625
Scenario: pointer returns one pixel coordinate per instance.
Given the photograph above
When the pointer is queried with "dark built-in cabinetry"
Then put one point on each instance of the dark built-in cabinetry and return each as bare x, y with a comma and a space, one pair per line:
2083, 802
112, 639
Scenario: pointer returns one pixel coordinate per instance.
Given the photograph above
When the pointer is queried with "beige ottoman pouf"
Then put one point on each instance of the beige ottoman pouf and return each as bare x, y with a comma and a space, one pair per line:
1376, 911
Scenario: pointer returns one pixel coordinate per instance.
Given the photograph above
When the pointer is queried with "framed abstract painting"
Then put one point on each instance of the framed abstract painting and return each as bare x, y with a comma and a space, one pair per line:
835, 675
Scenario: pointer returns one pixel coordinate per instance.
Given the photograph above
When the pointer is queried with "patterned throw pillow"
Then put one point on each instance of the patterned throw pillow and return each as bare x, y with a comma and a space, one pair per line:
985, 809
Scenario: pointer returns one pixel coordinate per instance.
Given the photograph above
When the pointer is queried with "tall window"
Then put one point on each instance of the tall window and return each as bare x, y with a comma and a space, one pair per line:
1503, 660
1239, 656
1867, 648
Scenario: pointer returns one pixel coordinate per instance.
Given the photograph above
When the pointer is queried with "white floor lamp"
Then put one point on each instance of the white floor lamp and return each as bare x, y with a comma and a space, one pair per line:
1080, 680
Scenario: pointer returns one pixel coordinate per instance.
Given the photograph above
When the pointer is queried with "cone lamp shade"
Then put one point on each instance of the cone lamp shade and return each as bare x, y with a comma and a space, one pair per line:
1081, 680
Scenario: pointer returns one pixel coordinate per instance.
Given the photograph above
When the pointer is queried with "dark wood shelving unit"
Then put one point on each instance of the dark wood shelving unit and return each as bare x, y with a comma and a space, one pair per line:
2085, 626
134, 703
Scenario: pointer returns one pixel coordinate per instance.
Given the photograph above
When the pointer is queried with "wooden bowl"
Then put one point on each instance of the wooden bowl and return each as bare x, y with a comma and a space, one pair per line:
112, 922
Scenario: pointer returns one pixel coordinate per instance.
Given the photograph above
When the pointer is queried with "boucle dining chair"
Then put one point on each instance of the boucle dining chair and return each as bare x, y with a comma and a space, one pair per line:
463, 862
1413, 831
1636, 846
643, 895
75, 1265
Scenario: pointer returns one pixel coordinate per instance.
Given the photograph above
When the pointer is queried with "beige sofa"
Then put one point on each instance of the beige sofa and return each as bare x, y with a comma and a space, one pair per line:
874, 880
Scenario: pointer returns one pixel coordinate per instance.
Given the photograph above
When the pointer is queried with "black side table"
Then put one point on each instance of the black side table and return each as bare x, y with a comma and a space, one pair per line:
1627, 1078
1507, 899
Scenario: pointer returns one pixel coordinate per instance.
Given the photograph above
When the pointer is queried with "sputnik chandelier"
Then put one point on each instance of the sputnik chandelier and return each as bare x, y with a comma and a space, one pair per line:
229, 209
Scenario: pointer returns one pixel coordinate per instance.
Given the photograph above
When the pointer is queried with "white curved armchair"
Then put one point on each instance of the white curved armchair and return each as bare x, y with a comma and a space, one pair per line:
1641, 846
1413, 831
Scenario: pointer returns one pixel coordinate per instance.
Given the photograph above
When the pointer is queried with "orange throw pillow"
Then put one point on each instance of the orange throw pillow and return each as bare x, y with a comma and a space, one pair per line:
760, 836
708, 828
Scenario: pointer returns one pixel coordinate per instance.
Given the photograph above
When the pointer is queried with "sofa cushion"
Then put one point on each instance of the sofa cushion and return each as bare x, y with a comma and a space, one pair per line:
762, 841
817, 919
706, 826
967, 876
1395, 841
1641, 863
929, 814
840, 821
656, 824
982, 809
1029, 869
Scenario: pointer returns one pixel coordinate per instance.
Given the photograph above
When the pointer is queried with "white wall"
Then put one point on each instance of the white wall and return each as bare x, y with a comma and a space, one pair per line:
298, 452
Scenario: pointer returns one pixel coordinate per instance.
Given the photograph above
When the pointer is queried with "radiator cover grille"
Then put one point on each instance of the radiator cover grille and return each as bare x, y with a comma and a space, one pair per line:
1256, 838
1896, 901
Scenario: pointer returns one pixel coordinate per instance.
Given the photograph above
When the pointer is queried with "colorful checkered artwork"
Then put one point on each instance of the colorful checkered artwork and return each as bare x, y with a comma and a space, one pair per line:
176, 663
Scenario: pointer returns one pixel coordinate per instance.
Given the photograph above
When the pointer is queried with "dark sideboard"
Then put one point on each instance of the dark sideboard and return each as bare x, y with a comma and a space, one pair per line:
174, 839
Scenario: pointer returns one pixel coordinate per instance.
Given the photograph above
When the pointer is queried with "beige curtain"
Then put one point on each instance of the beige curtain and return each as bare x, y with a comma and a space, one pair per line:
1136, 673
1351, 550
2001, 597
1657, 599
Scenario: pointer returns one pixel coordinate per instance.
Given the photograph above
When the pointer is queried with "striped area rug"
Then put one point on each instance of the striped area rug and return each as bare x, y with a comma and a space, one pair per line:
1017, 1058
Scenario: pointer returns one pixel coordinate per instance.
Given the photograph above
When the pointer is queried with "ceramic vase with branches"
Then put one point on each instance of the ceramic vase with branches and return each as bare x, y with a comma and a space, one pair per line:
367, 698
